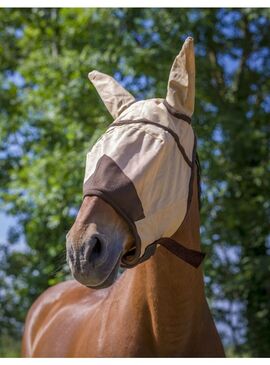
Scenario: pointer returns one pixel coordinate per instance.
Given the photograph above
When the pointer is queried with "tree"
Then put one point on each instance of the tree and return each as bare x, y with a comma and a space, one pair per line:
50, 116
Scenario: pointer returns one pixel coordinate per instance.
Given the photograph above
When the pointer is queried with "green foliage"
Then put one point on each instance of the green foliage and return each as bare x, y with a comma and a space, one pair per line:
50, 116
9, 347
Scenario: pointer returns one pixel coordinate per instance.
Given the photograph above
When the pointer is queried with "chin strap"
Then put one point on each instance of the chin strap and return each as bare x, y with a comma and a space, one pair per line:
192, 257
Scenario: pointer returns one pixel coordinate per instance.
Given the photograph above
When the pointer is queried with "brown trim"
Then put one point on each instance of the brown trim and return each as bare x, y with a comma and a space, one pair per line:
110, 178
192, 257
125, 107
167, 129
149, 251
198, 165
176, 114
190, 188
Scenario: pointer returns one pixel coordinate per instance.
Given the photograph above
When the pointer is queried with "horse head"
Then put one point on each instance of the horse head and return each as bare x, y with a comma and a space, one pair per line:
138, 178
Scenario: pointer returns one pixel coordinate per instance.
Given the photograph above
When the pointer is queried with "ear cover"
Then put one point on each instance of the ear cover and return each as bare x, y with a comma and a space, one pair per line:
181, 84
114, 96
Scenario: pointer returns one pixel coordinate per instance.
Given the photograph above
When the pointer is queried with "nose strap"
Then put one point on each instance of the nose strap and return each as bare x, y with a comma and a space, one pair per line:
192, 257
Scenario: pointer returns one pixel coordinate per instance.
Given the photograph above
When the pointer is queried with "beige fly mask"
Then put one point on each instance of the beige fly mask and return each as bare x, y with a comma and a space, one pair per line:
143, 164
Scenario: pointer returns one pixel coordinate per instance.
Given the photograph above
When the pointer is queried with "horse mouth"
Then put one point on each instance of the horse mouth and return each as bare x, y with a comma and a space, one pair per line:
110, 279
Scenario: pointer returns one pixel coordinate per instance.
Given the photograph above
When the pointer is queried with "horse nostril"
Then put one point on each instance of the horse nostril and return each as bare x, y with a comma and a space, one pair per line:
94, 250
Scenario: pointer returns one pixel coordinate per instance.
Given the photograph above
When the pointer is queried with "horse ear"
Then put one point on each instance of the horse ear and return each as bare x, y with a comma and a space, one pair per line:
114, 96
181, 84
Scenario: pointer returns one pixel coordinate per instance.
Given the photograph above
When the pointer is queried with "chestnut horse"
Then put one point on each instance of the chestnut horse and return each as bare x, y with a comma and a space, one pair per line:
158, 307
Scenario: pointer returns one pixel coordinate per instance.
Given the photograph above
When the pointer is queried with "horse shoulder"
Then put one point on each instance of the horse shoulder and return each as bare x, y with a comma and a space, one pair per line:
51, 315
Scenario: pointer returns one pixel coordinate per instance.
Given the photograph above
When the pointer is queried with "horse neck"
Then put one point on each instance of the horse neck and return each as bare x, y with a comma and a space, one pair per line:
173, 290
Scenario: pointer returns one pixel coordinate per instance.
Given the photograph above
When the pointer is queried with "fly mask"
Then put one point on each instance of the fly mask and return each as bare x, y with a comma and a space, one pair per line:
143, 165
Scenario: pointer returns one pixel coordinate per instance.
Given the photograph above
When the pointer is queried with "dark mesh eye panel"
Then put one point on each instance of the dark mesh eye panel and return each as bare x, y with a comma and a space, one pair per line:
109, 179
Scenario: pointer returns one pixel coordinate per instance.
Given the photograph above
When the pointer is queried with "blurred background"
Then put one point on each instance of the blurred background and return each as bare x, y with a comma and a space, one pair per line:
50, 115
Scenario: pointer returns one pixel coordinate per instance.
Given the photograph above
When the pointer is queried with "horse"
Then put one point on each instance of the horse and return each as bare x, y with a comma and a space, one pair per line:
140, 211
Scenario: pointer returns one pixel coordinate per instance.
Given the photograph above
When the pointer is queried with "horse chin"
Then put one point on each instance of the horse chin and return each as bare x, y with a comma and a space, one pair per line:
109, 280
